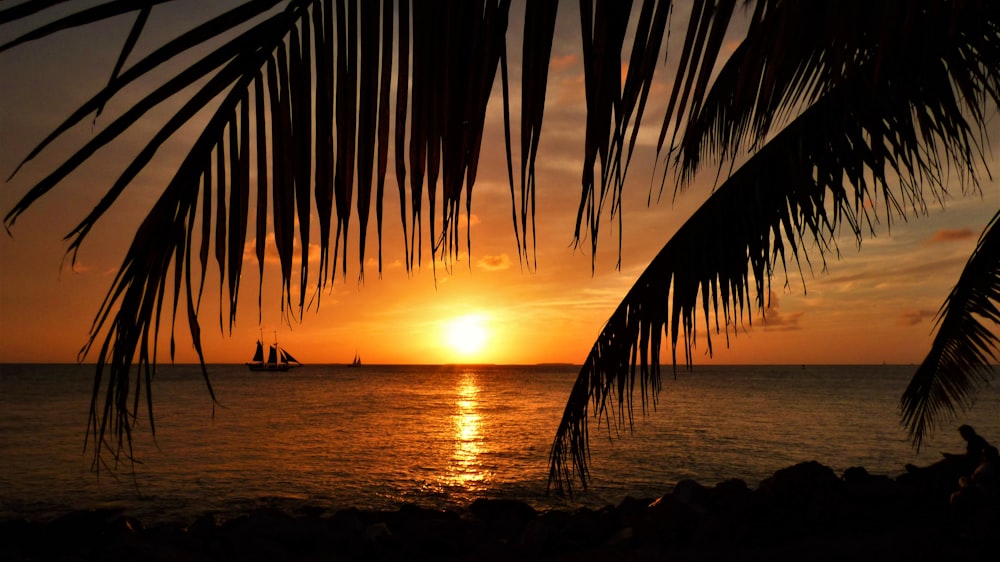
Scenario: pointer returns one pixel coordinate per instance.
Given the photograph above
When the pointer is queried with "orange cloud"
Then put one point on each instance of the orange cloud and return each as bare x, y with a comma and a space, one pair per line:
564, 62
465, 220
372, 264
271, 250
80, 268
569, 89
494, 263
914, 317
774, 319
951, 235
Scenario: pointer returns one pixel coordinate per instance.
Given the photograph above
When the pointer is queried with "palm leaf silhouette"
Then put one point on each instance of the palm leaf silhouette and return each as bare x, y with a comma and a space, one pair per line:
273, 67
964, 350
868, 117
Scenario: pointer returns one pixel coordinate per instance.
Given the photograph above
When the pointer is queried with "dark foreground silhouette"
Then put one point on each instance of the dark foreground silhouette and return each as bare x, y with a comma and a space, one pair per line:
803, 512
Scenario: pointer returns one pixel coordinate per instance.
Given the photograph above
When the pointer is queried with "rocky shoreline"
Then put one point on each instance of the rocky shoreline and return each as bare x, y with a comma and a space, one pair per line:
803, 512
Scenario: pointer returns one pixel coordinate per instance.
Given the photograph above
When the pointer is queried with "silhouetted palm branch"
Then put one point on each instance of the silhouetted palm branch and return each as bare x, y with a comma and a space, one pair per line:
961, 359
874, 128
273, 67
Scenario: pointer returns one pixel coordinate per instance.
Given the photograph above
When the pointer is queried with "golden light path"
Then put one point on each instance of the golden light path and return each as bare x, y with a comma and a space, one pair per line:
466, 469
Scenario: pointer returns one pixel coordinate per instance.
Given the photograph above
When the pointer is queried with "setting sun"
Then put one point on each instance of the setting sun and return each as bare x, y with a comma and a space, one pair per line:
467, 335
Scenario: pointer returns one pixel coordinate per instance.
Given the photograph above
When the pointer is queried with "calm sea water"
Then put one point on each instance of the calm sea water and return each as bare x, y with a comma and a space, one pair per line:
377, 437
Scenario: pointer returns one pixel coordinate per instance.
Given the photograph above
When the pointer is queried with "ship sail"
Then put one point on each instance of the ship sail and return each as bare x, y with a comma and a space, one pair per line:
277, 358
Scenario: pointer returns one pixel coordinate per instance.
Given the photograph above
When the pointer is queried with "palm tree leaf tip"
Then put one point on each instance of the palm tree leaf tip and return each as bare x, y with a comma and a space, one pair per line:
964, 352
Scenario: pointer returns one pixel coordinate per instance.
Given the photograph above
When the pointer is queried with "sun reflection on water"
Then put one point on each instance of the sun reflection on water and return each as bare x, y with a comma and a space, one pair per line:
466, 468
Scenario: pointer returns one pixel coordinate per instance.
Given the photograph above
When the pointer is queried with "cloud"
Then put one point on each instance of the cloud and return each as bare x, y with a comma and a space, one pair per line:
775, 320
271, 251
494, 263
372, 264
882, 277
568, 89
564, 62
950, 235
465, 220
80, 267
914, 317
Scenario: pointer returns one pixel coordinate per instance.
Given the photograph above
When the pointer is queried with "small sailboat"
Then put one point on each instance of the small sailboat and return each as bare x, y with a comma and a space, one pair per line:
278, 359
357, 360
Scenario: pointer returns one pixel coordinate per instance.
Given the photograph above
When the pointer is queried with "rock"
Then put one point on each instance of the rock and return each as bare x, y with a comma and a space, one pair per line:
427, 533
931, 485
263, 534
801, 512
631, 506
311, 511
795, 487
633, 514
623, 537
83, 531
505, 520
373, 541
169, 542
671, 521
731, 495
693, 494
490, 509
205, 528
19, 538
342, 530
863, 486
545, 535
376, 533
803, 498
589, 528
734, 517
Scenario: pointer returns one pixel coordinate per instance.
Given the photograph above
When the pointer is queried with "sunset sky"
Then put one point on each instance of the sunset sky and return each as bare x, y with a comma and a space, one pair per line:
869, 306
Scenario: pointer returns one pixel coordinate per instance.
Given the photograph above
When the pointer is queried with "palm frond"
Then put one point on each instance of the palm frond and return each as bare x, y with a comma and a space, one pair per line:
539, 32
228, 62
274, 75
707, 26
162, 242
822, 173
769, 206
939, 56
614, 110
133, 38
80, 18
961, 359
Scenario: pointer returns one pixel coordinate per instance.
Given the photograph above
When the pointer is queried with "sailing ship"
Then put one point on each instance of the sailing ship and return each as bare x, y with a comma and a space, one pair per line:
278, 359
357, 360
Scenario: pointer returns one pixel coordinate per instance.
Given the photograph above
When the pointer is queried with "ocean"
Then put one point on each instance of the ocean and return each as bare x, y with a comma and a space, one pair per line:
378, 437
